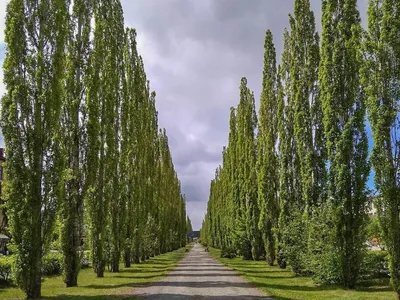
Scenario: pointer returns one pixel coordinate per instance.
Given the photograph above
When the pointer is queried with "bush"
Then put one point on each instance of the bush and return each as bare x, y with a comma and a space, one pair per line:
52, 264
294, 244
375, 265
228, 252
323, 257
6, 266
85, 261
326, 267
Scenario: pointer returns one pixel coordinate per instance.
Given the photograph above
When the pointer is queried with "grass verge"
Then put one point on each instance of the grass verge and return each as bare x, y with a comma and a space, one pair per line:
112, 286
283, 285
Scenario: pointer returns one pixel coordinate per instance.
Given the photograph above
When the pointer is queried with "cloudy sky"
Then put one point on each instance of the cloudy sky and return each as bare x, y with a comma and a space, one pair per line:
195, 53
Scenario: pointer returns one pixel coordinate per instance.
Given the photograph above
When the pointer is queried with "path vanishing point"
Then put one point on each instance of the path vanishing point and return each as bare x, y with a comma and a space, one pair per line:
200, 276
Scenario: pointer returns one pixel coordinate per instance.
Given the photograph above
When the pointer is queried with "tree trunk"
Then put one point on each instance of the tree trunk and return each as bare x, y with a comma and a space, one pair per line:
34, 286
270, 245
71, 267
100, 270
247, 255
34, 290
127, 258
115, 262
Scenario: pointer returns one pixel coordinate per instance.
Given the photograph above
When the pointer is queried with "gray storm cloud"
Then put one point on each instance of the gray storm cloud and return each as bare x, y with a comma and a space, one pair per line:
199, 51
195, 53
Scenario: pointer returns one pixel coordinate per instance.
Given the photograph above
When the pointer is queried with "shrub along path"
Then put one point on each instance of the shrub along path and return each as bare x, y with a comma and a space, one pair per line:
199, 276
283, 285
113, 286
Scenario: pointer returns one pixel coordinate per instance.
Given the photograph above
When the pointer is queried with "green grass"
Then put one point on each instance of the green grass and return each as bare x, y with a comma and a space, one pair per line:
112, 286
283, 285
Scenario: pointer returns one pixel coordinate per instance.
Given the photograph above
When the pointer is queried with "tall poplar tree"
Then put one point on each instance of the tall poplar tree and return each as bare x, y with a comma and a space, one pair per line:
246, 149
97, 130
306, 135
346, 140
128, 142
73, 128
381, 76
290, 200
114, 97
33, 74
233, 184
267, 163
307, 108
188, 225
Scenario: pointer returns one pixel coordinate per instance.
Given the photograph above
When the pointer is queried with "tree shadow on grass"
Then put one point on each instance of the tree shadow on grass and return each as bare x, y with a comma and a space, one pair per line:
317, 288
162, 297
143, 270
204, 269
173, 284
141, 276
76, 297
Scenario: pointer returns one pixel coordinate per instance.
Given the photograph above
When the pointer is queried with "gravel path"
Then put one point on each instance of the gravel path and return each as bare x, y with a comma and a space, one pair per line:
199, 276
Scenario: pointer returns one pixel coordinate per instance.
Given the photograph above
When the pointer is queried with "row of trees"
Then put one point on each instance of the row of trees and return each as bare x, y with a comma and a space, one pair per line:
82, 138
296, 191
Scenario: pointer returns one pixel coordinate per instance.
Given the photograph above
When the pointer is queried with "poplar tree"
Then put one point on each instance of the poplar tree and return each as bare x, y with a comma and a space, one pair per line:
246, 152
97, 131
73, 134
267, 163
304, 71
381, 76
33, 74
307, 150
114, 97
346, 140
290, 200
233, 184
128, 142
188, 225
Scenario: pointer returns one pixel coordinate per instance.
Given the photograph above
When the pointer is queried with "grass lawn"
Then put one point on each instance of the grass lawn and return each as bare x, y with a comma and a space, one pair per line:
283, 285
111, 287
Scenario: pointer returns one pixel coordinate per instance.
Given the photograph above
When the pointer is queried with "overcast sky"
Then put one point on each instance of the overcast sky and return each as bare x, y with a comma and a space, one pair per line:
195, 53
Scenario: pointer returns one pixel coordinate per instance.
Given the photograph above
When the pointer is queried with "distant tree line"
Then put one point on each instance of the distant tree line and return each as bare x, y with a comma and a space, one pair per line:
292, 187
83, 144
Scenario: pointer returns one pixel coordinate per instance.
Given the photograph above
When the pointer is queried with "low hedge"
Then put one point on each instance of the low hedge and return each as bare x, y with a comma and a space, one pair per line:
52, 264
375, 265
228, 252
6, 266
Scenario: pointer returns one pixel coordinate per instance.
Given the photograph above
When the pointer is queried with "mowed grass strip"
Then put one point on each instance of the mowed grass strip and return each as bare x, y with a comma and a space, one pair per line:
283, 285
112, 286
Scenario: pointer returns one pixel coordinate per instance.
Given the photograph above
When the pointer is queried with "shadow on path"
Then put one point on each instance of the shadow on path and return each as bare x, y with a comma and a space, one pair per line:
199, 276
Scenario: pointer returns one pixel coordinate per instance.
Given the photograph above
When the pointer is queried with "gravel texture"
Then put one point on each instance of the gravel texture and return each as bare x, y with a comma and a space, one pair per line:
199, 276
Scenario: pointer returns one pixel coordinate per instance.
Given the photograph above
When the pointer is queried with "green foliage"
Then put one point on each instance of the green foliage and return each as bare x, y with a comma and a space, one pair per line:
322, 260
283, 284
6, 268
374, 231
326, 267
375, 265
111, 287
381, 77
188, 225
73, 123
267, 158
52, 264
228, 252
345, 134
294, 244
30, 120
83, 145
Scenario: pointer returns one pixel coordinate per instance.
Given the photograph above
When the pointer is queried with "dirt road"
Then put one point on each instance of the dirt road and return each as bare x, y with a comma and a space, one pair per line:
199, 276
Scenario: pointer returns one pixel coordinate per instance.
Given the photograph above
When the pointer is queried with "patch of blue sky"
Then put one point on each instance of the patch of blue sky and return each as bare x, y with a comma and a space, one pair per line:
2, 51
